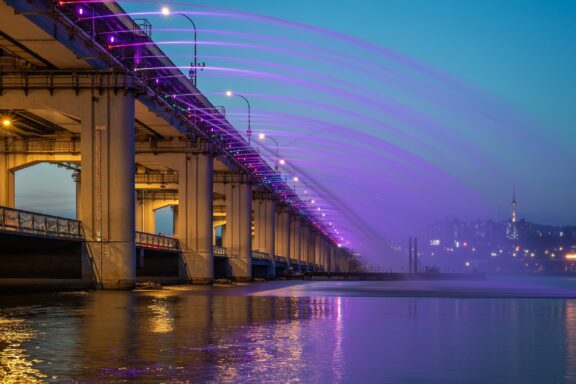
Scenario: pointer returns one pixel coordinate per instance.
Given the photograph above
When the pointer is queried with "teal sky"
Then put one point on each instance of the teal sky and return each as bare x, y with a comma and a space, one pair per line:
440, 108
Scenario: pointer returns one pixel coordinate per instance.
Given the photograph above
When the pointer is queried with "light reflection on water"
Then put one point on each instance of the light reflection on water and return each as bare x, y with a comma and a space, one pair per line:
285, 332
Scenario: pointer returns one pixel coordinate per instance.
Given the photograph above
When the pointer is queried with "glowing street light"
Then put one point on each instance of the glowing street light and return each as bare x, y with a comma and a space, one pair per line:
193, 66
249, 131
6, 122
262, 136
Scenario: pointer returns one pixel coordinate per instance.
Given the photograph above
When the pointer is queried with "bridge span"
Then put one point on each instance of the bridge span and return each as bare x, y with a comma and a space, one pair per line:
73, 91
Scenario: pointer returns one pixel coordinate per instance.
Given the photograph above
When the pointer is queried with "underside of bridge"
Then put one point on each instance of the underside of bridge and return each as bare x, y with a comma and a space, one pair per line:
66, 99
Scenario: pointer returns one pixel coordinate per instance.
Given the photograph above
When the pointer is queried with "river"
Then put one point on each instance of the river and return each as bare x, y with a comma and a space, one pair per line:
521, 330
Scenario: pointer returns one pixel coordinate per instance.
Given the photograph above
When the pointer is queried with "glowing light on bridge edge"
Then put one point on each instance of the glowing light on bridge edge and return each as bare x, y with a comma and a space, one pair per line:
237, 149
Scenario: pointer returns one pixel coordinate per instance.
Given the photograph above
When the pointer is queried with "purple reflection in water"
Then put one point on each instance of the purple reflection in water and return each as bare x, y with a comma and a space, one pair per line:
499, 331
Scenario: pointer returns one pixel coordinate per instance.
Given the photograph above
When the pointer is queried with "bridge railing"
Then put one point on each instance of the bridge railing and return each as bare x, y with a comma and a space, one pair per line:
260, 255
281, 259
18, 220
219, 251
150, 240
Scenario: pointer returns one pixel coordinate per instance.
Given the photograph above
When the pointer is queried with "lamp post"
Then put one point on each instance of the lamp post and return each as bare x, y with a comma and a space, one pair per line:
295, 179
249, 131
263, 136
193, 66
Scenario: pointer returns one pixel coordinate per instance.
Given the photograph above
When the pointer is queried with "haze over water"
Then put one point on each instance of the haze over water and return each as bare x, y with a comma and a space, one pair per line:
502, 331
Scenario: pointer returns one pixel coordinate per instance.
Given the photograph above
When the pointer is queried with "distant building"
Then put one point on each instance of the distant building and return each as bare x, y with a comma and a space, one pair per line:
512, 228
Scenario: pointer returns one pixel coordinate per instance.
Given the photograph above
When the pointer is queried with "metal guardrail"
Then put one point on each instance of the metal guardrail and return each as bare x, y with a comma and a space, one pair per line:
260, 255
219, 251
149, 240
18, 220
156, 178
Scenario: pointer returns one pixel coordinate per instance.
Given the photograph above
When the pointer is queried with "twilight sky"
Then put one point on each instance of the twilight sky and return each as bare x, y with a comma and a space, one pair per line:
393, 113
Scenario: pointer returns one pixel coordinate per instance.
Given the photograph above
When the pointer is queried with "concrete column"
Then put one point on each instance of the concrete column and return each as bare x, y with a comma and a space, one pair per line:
305, 246
107, 189
195, 208
326, 253
264, 228
295, 241
320, 251
175, 218
340, 259
7, 184
77, 177
282, 234
332, 257
145, 216
238, 239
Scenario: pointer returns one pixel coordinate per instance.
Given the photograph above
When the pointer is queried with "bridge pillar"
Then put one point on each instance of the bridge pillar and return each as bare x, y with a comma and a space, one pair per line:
327, 254
264, 227
147, 202
305, 246
295, 240
318, 250
238, 239
14, 156
77, 177
332, 256
7, 183
282, 234
193, 214
339, 260
107, 189
194, 225
145, 217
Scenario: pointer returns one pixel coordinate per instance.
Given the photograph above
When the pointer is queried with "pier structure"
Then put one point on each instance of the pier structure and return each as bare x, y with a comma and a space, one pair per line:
98, 96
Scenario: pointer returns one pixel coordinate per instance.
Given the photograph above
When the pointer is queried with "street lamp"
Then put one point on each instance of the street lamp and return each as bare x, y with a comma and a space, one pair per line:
295, 179
262, 136
249, 131
195, 64
6, 123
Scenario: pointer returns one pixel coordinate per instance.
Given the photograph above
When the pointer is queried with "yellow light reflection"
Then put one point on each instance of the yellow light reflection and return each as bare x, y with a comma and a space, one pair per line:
162, 318
15, 364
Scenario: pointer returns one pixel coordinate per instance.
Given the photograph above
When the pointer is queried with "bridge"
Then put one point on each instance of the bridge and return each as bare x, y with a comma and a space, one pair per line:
97, 95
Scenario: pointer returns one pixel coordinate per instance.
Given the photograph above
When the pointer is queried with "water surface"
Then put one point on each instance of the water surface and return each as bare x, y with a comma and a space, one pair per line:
520, 331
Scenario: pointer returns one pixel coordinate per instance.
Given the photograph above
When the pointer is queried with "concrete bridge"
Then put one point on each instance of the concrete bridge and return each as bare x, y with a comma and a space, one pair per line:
79, 91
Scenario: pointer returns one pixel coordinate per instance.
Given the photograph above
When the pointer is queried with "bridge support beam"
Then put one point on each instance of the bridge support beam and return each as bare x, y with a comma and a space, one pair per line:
193, 215
282, 234
318, 250
194, 221
107, 189
146, 205
295, 241
7, 184
332, 256
305, 246
107, 147
264, 227
238, 238
17, 154
145, 217
326, 253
